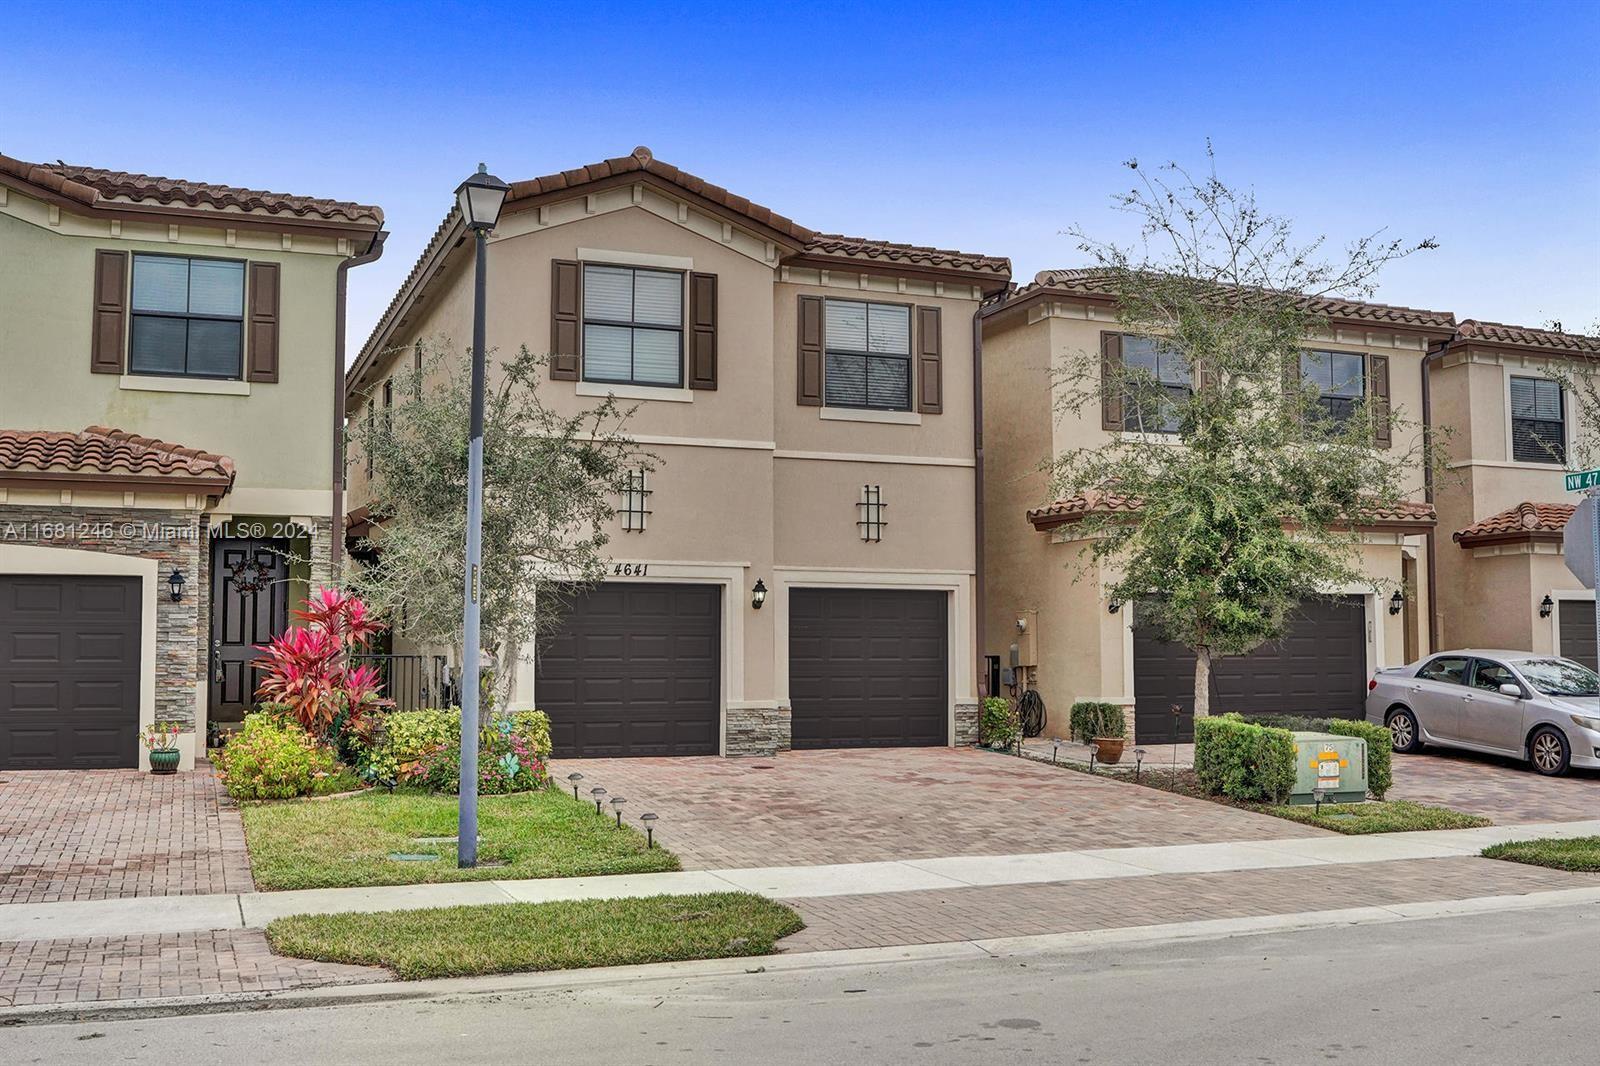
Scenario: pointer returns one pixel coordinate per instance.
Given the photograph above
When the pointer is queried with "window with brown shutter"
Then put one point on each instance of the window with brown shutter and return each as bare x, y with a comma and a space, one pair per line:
110, 311
702, 331
808, 370
930, 366
1378, 382
1111, 381
264, 294
565, 321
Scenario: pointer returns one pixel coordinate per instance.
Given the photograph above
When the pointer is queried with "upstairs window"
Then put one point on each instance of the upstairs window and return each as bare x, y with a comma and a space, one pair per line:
1538, 421
868, 360
1340, 379
188, 317
1157, 385
632, 326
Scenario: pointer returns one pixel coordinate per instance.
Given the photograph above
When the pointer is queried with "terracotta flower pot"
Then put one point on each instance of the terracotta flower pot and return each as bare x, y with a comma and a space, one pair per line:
1110, 749
165, 761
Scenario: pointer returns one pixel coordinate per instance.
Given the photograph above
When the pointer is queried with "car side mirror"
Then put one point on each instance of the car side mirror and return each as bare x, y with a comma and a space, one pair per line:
1509, 689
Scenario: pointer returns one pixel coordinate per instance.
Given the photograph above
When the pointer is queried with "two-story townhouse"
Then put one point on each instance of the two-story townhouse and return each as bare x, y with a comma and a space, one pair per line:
800, 570
171, 370
1056, 625
1505, 393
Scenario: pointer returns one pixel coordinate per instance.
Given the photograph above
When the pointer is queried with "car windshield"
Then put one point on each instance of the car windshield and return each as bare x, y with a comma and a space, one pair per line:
1560, 677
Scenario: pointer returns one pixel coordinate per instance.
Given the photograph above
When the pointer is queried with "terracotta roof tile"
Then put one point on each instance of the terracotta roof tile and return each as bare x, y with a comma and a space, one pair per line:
1527, 337
913, 254
93, 186
1073, 508
98, 450
1526, 519
1094, 281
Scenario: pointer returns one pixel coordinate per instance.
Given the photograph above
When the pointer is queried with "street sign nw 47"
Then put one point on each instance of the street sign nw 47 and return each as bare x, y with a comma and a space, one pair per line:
1581, 480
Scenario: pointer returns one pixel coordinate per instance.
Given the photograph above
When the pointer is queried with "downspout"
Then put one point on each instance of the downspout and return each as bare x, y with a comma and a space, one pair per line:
1427, 483
372, 254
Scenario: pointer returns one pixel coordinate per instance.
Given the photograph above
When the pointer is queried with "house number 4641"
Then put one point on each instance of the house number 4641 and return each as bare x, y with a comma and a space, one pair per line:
630, 569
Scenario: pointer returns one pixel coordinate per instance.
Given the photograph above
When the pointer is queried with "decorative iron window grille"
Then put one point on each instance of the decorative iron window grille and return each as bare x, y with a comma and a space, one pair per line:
636, 502
870, 518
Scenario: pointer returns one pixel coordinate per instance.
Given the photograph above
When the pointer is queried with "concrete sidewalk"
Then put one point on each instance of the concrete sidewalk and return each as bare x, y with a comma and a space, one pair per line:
254, 910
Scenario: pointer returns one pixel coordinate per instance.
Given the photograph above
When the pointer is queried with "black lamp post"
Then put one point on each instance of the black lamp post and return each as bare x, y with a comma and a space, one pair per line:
479, 199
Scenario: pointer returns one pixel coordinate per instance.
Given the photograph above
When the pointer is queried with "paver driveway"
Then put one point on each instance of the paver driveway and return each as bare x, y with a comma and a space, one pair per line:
1502, 790
817, 807
104, 834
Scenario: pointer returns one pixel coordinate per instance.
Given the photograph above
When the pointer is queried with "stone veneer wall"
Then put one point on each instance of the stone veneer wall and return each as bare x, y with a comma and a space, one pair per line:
171, 537
758, 730
967, 720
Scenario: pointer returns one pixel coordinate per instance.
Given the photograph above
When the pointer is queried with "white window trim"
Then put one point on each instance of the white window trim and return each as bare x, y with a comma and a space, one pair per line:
669, 393
610, 256
1510, 372
865, 414
194, 386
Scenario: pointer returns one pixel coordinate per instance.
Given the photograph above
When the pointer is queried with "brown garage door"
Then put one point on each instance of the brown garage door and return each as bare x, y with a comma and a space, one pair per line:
868, 668
635, 670
1317, 669
1577, 631
69, 672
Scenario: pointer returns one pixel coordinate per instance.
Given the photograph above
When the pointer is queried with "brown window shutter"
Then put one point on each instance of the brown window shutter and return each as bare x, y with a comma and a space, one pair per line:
1111, 381
808, 372
566, 322
1378, 389
930, 367
702, 331
263, 321
110, 311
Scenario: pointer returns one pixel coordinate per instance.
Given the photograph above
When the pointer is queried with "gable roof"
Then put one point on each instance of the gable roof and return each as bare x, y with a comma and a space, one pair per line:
1095, 283
1528, 520
96, 189
1474, 331
804, 246
1404, 515
100, 455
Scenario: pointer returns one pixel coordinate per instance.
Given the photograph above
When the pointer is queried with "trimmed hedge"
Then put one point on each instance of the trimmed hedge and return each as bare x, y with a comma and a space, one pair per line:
1380, 750
1090, 719
1243, 761
423, 747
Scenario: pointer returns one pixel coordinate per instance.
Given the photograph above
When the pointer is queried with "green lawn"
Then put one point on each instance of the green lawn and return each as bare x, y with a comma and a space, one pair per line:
336, 843
1377, 816
514, 937
1579, 854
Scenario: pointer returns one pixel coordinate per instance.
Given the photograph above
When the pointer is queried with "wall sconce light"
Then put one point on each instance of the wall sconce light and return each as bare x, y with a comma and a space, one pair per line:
1114, 606
1397, 602
758, 595
1546, 605
175, 584
1022, 625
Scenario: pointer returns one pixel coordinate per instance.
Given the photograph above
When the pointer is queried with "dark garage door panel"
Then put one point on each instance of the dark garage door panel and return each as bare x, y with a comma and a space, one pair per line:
1318, 668
636, 669
1577, 631
69, 672
868, 668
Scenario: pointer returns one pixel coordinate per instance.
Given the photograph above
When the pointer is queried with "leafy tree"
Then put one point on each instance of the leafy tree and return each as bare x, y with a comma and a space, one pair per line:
1580, 379
1251, 500
550, 485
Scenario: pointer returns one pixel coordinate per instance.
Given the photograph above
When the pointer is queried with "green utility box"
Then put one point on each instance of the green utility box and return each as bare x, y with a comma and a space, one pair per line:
1335, 765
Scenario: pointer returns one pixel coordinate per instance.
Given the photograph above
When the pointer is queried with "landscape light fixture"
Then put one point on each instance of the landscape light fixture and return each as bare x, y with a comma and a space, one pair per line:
1316, 796
758, 595
1138, 761
1094, 755
649, 821
599, 795
1055, 749
1546, 605
616, 805
175, 584
1397, 602
574, 778
480, 198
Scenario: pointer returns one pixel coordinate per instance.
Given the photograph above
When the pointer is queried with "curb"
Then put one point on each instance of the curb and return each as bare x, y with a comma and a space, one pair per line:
996, 948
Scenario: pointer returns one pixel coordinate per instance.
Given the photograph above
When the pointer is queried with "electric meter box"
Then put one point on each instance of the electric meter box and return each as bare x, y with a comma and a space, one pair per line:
1334, 765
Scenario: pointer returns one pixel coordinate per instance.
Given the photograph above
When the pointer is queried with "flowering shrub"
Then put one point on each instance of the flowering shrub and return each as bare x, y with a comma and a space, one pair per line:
423, 748
161, 736
308, 667
272, 757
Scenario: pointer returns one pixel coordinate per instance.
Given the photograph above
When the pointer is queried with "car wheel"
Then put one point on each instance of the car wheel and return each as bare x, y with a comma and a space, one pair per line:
1404, 733
1548, 752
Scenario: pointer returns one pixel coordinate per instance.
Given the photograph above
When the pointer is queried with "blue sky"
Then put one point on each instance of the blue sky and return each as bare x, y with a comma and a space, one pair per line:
986, 128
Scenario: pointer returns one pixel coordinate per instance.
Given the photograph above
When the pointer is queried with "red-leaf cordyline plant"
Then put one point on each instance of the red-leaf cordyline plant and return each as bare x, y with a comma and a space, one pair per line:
308, 667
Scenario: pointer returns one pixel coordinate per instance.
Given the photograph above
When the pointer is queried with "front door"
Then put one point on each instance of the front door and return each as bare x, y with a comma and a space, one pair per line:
249, 606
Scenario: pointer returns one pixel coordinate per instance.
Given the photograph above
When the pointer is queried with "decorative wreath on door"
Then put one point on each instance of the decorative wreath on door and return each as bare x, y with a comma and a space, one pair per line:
250, 576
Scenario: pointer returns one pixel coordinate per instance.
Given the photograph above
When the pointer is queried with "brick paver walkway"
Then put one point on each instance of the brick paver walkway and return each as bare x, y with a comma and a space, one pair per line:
1504, 791
145, 967
104, 834
939, 916
816, 807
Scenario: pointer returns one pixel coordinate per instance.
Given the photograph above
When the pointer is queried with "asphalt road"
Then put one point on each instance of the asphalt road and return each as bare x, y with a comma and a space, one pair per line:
1503, 988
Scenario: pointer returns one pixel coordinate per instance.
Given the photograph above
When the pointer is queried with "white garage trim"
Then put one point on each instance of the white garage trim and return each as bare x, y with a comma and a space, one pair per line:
960, 676
35, 559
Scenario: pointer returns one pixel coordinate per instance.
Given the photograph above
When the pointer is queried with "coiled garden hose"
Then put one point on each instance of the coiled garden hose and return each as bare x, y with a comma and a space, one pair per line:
1030, 712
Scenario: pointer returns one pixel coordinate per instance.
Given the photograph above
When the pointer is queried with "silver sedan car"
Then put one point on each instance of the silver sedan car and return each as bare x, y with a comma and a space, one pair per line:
1536, 707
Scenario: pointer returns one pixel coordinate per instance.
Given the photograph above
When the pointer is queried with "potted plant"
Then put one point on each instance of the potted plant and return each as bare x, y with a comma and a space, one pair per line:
161, 741
1101, 724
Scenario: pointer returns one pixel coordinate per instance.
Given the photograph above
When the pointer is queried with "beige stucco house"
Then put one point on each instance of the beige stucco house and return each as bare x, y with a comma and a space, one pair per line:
1503, 582
171, 356
1052, 620
811, 401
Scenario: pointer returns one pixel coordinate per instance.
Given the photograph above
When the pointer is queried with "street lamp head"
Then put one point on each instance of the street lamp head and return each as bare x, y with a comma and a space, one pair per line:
480, 198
